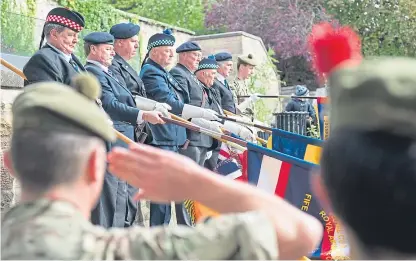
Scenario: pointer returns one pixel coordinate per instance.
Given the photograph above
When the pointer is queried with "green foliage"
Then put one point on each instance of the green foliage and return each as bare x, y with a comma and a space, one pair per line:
385, 27
187, 14
259, 82
18, 27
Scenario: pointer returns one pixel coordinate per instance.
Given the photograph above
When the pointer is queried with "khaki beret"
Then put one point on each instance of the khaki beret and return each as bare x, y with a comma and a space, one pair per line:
377, 94
52, 106
247, 59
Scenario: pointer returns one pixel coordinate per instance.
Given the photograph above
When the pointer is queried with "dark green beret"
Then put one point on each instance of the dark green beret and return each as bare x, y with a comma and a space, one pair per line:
99, 38
52, 106
247, 59
378, 94
124, 30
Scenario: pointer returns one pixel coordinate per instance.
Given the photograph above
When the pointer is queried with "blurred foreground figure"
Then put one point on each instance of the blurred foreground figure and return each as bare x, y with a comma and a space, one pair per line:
368, 163
62, 172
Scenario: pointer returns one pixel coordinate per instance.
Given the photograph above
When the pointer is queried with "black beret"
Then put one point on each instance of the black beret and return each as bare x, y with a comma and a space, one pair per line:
161, 39
124, 30
207, 63
188, 47
65, 17
99, 38
224, 56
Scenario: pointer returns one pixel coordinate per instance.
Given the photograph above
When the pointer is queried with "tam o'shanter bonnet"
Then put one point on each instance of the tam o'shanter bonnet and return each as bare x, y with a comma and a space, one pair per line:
208, 63
65, 17
161, 39
369, 94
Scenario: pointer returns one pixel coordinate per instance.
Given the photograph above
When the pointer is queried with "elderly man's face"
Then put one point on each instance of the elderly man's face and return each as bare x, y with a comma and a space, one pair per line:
163, 55
225, 68
245, 71
191, 59
103, 53
127, 48
207, 76
65, 41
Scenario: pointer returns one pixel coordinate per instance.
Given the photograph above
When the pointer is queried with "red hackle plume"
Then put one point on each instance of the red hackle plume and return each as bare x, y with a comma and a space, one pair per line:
331, 46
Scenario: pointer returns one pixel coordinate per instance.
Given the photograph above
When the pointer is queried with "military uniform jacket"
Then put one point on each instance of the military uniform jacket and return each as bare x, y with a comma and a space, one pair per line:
117, 101
47, 64
227, 101
162, 87
114, 205
127, 76
197, 97
239, 88
56, 230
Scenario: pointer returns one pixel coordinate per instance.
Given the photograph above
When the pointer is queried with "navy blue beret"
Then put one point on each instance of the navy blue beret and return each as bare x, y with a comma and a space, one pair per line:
207, 63
188, 47
99, 38
224, 56
124, 30
161, 39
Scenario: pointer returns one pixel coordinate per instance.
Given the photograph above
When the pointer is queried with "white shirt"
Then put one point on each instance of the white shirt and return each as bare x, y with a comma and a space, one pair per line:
105, 69
66, 56
221, 78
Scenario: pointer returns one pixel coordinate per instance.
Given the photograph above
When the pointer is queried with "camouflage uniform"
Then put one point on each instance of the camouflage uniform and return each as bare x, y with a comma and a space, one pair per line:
53, 229
56, 230
241, 87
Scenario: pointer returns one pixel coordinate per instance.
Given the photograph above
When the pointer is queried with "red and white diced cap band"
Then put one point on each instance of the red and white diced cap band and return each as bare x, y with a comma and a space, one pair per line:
64, 21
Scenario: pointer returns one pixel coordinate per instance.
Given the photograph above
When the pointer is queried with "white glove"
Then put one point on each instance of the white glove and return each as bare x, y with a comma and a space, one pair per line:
247, 102
209, 155
146, 104
190, 111
211, 125
239, 130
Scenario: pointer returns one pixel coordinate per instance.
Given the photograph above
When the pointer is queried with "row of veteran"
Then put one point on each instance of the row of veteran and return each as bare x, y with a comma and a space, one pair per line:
134, 102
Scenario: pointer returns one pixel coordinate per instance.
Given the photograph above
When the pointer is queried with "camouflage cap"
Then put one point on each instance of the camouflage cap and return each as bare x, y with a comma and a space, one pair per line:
52, 106
247, 59
377, 94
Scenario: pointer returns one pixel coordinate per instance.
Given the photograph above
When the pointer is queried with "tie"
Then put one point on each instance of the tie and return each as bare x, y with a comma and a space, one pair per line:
226, 84
74, 64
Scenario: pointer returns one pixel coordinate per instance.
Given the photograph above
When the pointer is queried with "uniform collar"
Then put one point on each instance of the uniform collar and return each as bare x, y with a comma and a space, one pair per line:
105, 69
221, 78
150, 61
66, 56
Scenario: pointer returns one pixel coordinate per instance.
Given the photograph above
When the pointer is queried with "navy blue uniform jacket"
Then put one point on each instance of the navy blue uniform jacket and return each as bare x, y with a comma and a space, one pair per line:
47, 64
227, 101
162, 87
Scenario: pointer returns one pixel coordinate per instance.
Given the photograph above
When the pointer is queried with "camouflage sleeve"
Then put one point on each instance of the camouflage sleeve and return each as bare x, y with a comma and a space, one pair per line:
234, 91
239, 236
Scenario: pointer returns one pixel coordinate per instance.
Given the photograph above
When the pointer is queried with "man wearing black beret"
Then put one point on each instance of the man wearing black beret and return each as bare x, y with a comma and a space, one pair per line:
126, 42
115, 207
55, 61
221, 85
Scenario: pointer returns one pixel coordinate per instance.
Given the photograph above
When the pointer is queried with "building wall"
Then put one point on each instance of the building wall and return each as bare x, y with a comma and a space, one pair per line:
242, 43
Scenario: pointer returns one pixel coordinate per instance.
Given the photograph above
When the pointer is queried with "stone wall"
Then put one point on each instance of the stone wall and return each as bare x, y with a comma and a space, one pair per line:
10, 84
241, 43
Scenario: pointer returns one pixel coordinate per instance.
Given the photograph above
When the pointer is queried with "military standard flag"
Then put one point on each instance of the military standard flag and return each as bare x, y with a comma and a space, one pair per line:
289, 177
299, 146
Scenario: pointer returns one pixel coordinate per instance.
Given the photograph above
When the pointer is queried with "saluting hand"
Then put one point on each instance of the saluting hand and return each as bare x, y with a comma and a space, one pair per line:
161, 176
153, 117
